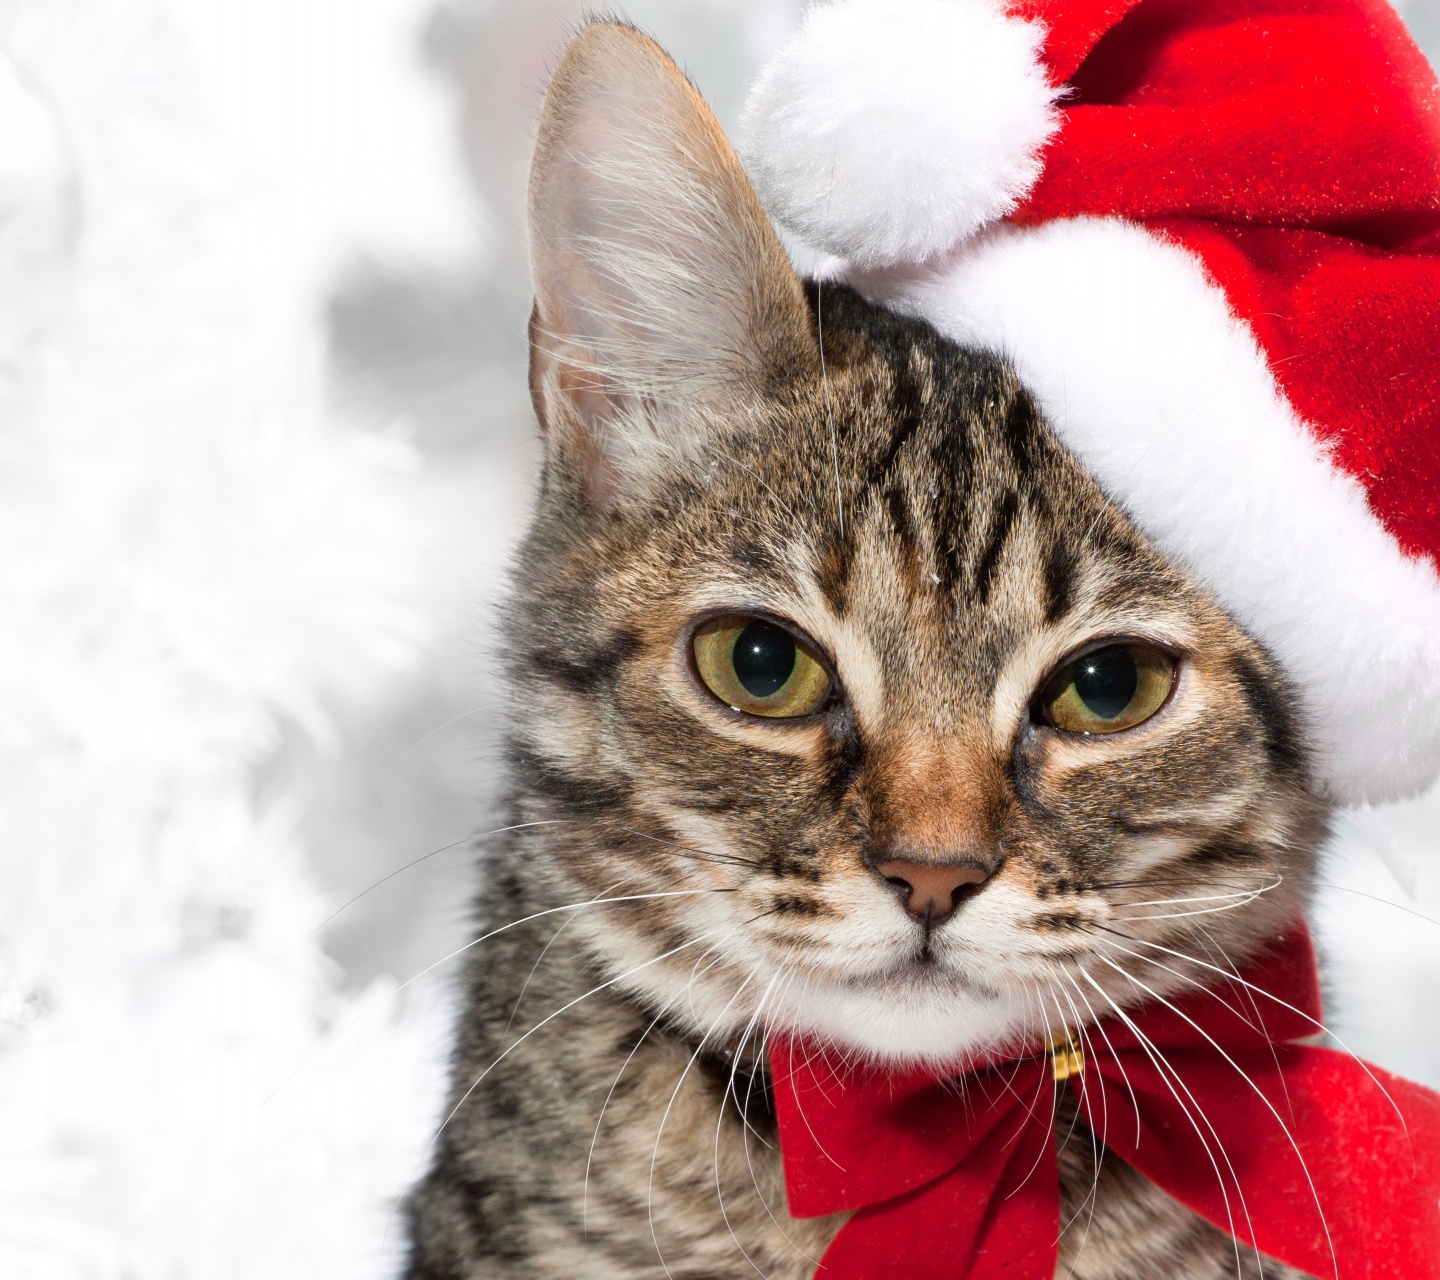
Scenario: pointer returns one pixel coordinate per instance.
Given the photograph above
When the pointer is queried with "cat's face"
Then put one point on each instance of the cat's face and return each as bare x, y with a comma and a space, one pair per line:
921, 742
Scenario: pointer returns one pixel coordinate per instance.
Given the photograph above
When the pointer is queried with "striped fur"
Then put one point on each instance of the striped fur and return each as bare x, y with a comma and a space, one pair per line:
686, 877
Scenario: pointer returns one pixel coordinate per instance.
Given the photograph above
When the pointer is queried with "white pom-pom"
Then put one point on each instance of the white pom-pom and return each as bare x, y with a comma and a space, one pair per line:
888, 130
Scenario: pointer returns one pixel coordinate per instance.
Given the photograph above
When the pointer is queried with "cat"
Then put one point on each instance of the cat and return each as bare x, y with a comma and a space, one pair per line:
843, 702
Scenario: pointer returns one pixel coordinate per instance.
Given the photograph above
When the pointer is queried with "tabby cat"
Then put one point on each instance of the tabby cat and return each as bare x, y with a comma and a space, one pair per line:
845, 703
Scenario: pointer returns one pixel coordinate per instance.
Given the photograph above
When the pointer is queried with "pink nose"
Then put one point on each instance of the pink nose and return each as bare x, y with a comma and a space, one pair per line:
934, 891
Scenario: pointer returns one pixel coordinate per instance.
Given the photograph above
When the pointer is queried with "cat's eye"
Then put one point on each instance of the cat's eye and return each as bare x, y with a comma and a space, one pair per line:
756, 666
1107, 689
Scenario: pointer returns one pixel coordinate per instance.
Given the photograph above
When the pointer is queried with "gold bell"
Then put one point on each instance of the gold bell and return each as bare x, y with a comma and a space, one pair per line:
1066, 1057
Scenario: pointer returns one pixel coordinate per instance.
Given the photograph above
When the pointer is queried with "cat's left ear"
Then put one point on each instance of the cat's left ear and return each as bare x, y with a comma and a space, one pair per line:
665, 307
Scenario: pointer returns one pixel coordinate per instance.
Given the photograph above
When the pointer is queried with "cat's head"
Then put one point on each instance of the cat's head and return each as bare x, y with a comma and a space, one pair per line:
885, 723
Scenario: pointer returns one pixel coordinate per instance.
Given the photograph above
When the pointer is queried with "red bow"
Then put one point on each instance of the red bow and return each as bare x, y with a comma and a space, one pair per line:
1304, 1153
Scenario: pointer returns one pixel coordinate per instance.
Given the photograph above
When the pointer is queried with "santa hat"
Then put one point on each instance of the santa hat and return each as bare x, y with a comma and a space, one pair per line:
1207, 235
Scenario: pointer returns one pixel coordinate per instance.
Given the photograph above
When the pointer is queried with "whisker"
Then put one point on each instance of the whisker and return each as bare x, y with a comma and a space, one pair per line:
1384, 902
595, 1137
690, 984
1187, 915
1166, 1071
1092, 1197
529, 977
1032, 1105
1256, 990
1065, 1025
1310, 880
1208, 941
595, 990
785, 977
800, 1110
660, 1132
509, 1049
1193, 879
829, 406
700, 855
494, 705
726, 1095
333, 1036
434, 853
1054, 1098
1259, 1093
1099, 1026
1249, 893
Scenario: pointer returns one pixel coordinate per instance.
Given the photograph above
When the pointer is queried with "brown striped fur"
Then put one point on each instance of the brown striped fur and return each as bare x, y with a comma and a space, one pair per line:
719, 437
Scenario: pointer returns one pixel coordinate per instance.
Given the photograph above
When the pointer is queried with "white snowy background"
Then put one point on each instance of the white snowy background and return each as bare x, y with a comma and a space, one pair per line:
264, 448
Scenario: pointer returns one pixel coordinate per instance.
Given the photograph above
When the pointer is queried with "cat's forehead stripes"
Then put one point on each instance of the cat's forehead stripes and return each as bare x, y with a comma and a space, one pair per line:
950, 463
915, 518
960, 528
910, 512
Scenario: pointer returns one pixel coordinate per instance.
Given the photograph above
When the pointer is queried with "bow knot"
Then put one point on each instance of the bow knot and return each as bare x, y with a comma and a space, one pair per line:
1303, 1153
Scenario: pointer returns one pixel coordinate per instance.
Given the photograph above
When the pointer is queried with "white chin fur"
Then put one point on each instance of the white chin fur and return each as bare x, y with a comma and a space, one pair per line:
872, 1003
927, 1018
888, 130
1166, 399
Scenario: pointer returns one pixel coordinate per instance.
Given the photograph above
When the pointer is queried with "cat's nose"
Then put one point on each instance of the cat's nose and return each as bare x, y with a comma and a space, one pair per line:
934, 891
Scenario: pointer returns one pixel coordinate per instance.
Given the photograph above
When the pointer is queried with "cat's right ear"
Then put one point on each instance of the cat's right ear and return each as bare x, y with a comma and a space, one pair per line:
665, 307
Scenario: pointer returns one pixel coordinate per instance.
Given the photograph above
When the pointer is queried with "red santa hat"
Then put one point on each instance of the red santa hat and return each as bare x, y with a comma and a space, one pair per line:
1207, 235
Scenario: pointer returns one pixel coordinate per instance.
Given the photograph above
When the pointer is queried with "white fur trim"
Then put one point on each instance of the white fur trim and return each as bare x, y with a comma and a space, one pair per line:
1165, 396
889, 130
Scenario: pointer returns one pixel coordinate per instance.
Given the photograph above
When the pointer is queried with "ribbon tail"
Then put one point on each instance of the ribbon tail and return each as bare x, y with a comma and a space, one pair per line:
995, 1217
1302, 1153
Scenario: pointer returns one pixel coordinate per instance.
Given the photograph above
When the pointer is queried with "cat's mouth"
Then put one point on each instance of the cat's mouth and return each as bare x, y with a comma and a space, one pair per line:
917, 1008
923, 971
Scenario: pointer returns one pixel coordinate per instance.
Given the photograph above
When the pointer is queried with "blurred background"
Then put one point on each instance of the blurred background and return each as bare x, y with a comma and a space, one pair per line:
265, 446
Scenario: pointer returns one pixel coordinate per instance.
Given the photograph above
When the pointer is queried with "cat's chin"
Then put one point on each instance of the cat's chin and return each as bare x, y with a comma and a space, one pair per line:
915, 1014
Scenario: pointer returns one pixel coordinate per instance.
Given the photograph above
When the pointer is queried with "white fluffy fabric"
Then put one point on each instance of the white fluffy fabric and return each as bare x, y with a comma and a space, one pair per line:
194, 559
1166, 398
889, 130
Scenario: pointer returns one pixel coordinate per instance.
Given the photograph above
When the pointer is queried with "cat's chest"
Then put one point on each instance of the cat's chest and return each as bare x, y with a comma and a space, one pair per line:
600, 1144
719, 1181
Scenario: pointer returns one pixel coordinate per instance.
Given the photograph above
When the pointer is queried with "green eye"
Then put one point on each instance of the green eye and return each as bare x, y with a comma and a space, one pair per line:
1108, 689
756, 667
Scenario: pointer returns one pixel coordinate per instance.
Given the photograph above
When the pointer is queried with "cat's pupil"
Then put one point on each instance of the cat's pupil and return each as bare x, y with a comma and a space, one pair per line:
1106, 681
764, 658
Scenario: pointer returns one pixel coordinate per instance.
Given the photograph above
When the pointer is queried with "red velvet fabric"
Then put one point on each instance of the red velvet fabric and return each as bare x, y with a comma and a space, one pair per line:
1302, 1152
1294, 147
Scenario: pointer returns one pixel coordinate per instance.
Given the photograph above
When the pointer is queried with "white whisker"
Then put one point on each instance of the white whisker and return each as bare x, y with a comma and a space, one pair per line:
529, 977
829, 406
660, 1132
727, 1094
434, 853
333, 1036
595, 990
1248, 894
595, 1137
1092, 1197
1256, 990
1186, 915
506, 1052
1166, 1071
813, 1135
1259, 1093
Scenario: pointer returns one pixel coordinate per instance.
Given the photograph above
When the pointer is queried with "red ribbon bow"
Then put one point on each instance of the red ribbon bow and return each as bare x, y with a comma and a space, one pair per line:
1304, 1153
